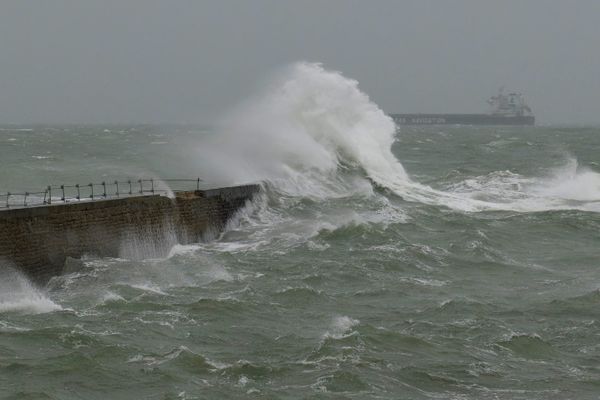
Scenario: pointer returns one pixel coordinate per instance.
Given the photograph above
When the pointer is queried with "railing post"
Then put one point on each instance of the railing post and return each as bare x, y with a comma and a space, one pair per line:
104, 187
7, 196
91, 185
49, 194
130, 191
78, 192
62, 187
117, 185
152, 183
25, 199
141, 186
198, 184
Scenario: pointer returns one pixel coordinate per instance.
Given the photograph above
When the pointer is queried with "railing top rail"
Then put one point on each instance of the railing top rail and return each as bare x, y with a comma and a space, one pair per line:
91, 191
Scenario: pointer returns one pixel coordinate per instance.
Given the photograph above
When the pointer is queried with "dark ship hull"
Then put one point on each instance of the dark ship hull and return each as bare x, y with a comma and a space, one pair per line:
462, 119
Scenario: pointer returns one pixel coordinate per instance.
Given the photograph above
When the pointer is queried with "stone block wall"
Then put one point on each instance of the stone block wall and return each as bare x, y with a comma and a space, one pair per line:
38, 240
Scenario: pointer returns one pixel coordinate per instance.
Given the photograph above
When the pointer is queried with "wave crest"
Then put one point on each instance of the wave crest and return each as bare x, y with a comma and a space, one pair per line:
313, 133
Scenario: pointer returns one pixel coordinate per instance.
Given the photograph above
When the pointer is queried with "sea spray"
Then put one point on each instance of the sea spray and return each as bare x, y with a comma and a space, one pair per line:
313, 133
566, 187
19, 295
569, 182
308, 126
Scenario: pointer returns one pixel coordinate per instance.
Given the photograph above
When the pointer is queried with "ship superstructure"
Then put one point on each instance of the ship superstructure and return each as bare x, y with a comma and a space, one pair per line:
510, 105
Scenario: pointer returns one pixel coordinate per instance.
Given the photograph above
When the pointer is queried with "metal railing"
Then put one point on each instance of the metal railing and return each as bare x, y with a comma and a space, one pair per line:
53, 194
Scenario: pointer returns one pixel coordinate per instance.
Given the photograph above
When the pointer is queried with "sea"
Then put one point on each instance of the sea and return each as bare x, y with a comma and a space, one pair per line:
377, 262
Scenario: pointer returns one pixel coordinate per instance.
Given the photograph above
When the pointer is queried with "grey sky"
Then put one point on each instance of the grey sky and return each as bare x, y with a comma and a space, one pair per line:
186, 61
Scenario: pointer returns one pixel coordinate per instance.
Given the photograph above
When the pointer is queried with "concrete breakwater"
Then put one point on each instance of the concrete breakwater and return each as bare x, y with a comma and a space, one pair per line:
38, 240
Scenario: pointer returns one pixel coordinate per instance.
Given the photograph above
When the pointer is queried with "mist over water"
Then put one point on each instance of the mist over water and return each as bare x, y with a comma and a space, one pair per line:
422, 263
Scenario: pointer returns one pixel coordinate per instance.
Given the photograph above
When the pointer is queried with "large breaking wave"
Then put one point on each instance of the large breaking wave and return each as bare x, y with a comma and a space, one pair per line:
314, 133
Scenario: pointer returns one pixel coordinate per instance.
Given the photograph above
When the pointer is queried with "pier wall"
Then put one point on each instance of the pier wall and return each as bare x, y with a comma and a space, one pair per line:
38, 240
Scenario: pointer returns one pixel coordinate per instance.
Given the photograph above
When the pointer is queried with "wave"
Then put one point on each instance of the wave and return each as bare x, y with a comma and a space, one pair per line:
308, 128
314, 134
18, 295
182, 356
341, 327
529, 346
567, 187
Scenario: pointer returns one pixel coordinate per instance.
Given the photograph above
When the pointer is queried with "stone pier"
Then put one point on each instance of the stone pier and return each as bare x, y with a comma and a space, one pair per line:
38, 240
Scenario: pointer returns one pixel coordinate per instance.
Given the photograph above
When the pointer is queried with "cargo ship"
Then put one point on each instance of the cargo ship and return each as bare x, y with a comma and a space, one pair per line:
506, 109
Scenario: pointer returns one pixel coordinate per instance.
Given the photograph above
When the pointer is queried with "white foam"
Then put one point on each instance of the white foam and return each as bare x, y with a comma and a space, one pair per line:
564, 188
570, 182
340, 327
313, 133
149, 287
182, 249
109, 297
18, 295
7, 327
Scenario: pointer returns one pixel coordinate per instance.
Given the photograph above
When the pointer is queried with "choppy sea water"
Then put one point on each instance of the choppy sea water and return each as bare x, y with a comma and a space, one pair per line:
420, 263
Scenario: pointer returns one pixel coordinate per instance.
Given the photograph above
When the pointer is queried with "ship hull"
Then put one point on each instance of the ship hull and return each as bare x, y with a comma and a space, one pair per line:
461, 119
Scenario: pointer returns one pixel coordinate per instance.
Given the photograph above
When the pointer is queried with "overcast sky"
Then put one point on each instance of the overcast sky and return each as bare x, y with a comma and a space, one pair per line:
187, 61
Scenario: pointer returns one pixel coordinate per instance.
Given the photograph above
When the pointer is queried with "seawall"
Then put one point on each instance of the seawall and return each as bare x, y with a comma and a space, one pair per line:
38, 240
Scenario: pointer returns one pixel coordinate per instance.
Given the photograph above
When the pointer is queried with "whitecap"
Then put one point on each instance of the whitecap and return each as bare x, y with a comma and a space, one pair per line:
148, 287
340, 327
181, 249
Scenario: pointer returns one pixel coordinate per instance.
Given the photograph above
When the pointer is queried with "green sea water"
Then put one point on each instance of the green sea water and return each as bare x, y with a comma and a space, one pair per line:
475, 275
